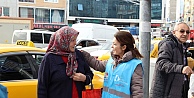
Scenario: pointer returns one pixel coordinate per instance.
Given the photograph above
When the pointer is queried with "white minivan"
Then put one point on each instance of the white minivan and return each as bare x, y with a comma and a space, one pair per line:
39, 37
94, 31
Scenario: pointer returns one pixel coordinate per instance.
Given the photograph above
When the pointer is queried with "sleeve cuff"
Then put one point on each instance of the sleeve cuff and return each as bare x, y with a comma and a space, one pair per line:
88, 80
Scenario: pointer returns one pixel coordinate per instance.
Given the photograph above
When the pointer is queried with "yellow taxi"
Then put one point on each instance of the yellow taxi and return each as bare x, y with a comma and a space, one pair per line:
105, 56
19, 69
19, 66
97, 80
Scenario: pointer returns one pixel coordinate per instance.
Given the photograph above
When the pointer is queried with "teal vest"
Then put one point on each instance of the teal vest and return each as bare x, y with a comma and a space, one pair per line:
117, 82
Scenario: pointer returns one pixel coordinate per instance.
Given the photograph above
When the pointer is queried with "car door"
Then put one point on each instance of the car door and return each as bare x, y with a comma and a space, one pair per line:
19, 72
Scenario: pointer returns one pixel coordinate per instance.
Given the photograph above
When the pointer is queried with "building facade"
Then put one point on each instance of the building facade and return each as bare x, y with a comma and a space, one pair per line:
171, 7
173, 12
8, 8
47, 14
116, 12
57, 13
189, 13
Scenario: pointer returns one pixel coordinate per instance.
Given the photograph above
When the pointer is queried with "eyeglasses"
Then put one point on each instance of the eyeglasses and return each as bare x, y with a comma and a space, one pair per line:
183, 31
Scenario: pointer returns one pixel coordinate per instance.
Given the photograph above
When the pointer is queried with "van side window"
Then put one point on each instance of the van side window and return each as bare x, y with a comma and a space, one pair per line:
36, 37
47, 38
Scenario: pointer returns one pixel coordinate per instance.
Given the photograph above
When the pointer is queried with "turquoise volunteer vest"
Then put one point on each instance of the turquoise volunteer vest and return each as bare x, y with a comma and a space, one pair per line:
117, 82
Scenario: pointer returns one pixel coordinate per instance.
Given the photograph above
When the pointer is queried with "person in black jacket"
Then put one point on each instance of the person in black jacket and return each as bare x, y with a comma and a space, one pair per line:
63, 72
170, 78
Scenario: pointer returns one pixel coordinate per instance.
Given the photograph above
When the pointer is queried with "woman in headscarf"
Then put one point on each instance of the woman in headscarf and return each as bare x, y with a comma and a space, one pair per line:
63, 72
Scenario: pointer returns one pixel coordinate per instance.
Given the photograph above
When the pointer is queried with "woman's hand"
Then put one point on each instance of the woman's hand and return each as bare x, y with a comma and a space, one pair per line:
79, 77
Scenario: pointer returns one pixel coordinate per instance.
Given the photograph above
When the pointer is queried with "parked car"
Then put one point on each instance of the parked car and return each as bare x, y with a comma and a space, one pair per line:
91, 45
105, 49
19, 70
39, 37
104, 52
88, 45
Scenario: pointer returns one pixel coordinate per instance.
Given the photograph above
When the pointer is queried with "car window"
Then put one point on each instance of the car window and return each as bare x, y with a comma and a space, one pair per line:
87, 43
82, 43
38, 58
15, 68
91, 43
36, 37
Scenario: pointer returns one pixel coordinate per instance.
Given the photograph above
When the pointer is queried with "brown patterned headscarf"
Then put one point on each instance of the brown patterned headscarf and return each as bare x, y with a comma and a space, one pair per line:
59, 44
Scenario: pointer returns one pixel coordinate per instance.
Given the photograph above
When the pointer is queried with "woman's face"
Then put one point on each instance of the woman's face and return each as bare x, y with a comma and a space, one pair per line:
72, 44
117, 49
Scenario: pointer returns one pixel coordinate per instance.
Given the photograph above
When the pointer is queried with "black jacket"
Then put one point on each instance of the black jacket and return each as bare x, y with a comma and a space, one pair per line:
53, 81
168, 78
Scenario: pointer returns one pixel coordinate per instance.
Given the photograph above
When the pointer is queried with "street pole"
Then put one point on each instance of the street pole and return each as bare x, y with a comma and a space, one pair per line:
145, 40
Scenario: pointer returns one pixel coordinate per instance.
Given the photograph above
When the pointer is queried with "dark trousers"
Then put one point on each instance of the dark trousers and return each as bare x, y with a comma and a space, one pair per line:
185, 89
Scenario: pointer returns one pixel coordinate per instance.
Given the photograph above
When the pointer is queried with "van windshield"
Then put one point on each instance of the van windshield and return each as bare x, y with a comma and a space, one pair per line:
19, 36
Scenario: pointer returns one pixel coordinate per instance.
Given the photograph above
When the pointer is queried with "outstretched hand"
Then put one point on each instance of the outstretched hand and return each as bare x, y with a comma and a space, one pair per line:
79, 77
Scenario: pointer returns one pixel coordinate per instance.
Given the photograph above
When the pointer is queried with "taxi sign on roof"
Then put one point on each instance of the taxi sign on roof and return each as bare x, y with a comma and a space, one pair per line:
158, 38
25, 43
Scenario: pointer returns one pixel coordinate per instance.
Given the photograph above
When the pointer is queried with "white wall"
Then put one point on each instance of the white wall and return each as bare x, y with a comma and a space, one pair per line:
13, 6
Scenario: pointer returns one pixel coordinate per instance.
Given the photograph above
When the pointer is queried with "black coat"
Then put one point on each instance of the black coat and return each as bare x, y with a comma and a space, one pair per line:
53, 81
168, 78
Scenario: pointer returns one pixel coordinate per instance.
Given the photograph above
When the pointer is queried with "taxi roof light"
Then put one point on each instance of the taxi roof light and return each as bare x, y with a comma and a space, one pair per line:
25, 43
